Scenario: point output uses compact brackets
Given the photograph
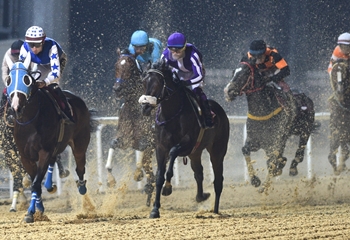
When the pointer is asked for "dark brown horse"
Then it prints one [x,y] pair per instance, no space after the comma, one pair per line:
[12,159]
[179,133]
[268,124]
[40,131]
[134,130]
[339,104]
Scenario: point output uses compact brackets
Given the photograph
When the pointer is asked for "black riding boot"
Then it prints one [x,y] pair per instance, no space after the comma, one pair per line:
[66,108]
[208,118]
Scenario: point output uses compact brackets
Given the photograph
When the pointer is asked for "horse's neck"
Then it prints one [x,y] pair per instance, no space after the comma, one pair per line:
[174,104]
[262,102]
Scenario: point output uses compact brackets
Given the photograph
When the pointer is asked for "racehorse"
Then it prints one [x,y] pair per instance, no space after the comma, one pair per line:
[11,156]
[179,132]
[134,130]
[268,124]
[339,104]
[40,131]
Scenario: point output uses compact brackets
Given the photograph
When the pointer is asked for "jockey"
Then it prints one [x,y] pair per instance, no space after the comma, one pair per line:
[145,49]
[273,67]
[13,54]
[186,61]
[341,51]
[51,61]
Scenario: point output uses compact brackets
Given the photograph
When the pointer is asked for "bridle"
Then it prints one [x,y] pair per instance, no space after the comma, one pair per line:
[250,82]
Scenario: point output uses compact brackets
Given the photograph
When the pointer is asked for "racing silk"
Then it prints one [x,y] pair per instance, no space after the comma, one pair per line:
[48,60]
[152,53]
[190,67]
[337,55]
[274,65]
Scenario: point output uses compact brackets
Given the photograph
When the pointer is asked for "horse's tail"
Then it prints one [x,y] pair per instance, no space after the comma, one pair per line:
[93,122]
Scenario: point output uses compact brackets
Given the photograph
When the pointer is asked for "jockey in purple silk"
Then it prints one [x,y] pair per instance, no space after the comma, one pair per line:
[186,60]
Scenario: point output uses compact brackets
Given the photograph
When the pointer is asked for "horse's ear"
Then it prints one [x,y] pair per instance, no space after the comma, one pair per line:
[118,51]
[148,66]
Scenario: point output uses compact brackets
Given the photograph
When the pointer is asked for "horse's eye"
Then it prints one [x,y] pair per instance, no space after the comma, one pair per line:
[27,80]
[8,81]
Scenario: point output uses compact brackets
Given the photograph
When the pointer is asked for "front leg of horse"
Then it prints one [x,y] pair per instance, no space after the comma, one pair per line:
[35,202]
[299,157]
[159,185]
[332,157]
[147,167]
[343,157]
[254,180]
[173,153]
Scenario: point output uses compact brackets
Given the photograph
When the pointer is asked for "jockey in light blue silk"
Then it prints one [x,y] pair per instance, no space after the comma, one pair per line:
[187,61]
[144,48]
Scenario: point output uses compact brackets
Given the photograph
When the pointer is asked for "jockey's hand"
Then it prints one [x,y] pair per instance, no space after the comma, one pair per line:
[40,83]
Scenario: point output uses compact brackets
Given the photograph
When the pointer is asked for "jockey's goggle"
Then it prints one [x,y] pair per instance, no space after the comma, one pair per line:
[256,56]
[140,48]
[177,49]
[37,45]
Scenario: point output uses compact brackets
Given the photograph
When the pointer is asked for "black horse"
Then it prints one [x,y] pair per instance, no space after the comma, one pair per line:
[179,132]
[40,131]
[134,130]
[339,104]
[268,124]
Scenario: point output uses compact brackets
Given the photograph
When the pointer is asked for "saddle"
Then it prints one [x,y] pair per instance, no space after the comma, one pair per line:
[58,103]
[197,109]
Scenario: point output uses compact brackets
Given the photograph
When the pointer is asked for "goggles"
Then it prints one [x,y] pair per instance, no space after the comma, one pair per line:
[140,48]
[37,45]
[177,49]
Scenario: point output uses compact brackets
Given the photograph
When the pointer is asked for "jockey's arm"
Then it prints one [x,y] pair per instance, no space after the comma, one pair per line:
[54,75]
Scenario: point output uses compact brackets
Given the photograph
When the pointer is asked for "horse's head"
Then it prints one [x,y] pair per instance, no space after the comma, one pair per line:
[242,80]
[340,81]
[19,83]
[128,76]
[159,83]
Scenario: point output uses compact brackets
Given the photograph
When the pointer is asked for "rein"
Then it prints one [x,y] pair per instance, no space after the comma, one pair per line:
[159,99]
[250,81]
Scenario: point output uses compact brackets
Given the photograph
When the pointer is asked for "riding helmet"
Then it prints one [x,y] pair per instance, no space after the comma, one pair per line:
[139,38]
[344,38]
[35,34]
[257,47]
[176,40]
[16,47]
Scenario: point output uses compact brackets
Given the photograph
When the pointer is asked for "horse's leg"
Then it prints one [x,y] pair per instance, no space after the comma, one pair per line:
[299,155]
[173,153]
[161,165]
[37,174]
[79,153]
[197,168]
[111,182]
[334,143]
[51,188]
[147,167]
[138,175]
[62,172]
[246,150]
[343,157]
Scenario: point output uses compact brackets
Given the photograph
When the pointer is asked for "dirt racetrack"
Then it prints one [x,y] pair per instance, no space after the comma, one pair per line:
[292,209]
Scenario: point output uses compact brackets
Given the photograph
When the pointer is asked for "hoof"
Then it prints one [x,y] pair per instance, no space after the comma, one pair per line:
[255,181]
[167,190]
[53,189]
[81,186]
[13,210]
[138,175]
[202,198]
[154,214]
[293,172]
[64,173]
[29,218]
[148,188]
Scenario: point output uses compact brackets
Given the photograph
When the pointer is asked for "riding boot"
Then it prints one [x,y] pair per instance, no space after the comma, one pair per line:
[66,108]
[208,118]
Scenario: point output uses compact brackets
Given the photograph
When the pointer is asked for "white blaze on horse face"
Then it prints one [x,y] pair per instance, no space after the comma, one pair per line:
[339,76]
[122,62]
[236,71]
[15,101]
